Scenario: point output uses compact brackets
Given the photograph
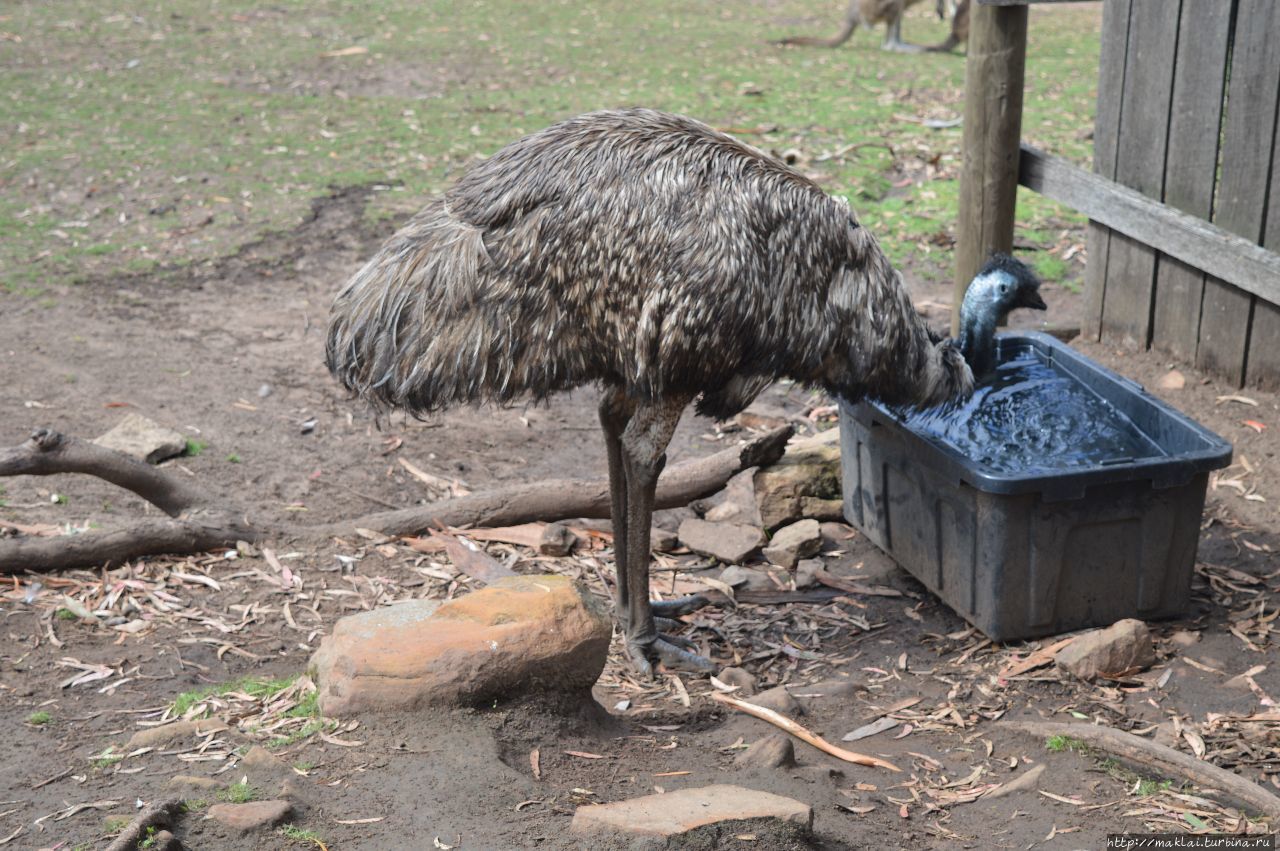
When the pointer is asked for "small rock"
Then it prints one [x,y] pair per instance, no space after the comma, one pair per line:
[1172,380]
[1025,782]
[818,508]
[737,502]
[251,816]
[773,751]
[521,634]
[807,571]
[1184,638]
[837,536]
[746,578]
[739,677]
[662,540]
[158,737]
[163,840]
[557,540]
[1123,647]
[810,468]
[139,437]
[659,821]
[731,543]
[779,700]
[792,543]
[185,783]
[830,689]
[264,391]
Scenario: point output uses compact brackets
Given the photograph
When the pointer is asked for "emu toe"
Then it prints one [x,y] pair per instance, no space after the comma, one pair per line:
[661,650]
[679,606]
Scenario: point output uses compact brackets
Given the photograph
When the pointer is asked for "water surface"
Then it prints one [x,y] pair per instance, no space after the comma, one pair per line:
[1029,418]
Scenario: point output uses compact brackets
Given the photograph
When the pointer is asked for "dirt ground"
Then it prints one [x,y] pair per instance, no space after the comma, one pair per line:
[230,354]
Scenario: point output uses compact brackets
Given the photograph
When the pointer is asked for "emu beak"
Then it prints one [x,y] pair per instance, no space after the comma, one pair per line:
[1032,300]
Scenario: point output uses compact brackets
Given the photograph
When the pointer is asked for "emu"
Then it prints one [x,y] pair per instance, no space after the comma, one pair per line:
[652,256]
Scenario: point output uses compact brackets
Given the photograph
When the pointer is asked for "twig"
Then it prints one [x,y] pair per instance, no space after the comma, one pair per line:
[157,814]
[1165,760]
[804,735]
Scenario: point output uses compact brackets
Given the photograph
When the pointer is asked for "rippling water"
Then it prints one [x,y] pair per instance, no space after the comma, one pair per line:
[1028,417]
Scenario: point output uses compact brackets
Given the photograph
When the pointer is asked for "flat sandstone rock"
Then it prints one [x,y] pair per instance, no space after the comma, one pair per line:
[662,819]
[143,439]
[521,634]
[730,543]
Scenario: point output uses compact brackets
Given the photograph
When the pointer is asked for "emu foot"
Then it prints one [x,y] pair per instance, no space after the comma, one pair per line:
[679,606]
[662,650]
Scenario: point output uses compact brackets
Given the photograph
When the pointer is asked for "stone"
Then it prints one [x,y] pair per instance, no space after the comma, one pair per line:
[731,543]
[245,818]
[190,786]
[1184,638]
[163,840]
[809,469]
[158,737]
[739,677]
[830,690]
[265,770]
[521,634]
[140,438]
[1172,380]
[837,536]
[773,751]
[746,578]
[557,540]
[662,540]
[779,700]
[807,571]
[794,542]
[736,503]
[1123,647]
[666,820]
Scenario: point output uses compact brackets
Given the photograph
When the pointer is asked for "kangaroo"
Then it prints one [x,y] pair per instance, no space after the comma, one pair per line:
[869,13]
[959,30]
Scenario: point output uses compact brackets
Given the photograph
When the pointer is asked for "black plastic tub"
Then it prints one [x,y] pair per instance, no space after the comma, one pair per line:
[1022,556]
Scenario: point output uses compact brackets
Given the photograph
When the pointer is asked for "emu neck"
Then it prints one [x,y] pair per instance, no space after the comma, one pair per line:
[978,337]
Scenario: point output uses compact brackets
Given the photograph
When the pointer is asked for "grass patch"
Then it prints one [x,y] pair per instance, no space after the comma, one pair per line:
[252,686]
[1137,784]
[149,841]
[1061,744]
[195,447]
[39,718]
[233,458]
[106,759]
[112,825]
[66,615]
[238,793]
[297,834]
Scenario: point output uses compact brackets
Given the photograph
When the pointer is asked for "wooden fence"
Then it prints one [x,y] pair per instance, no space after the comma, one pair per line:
[1186,166]
[1187,104]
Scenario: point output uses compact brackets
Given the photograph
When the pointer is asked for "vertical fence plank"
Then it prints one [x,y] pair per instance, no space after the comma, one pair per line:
[1242,190]
[1191,166]
[1140,160]
[1106,133]
[1262,366]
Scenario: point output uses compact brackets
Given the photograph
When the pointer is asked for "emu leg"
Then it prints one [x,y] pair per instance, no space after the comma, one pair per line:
[644,444]
[615,413]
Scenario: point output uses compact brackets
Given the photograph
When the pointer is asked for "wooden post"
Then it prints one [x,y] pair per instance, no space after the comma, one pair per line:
[993,83]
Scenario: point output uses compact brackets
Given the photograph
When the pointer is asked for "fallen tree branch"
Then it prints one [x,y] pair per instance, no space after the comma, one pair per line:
[48,453]
[801,733]
[197,534]
[200,526]
[1138,751]
[562,499]
[157,814]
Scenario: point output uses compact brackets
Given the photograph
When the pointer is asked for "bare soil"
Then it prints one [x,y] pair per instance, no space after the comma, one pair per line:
[230,353]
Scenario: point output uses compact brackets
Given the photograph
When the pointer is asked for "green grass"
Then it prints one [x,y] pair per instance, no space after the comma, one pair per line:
[238,793]
[296,834]
[233,458]
[149,841]
[39,718]
[106,759]
[1062,744]
[195,447]
[305,731]
[252,686]
[147,135]
[66,615]
[112,825]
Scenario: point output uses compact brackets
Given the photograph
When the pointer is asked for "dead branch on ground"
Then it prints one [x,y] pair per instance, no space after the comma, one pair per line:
[198,522]
[1163,760]
[157,814]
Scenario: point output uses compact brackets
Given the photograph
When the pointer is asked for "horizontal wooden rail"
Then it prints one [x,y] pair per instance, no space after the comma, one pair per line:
[1020,2]
[1194,241]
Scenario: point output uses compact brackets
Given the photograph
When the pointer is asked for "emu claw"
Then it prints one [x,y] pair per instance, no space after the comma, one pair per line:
[679,606]
[662,650]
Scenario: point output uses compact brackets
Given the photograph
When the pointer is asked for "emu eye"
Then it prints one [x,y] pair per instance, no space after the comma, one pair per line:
[1004,289]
